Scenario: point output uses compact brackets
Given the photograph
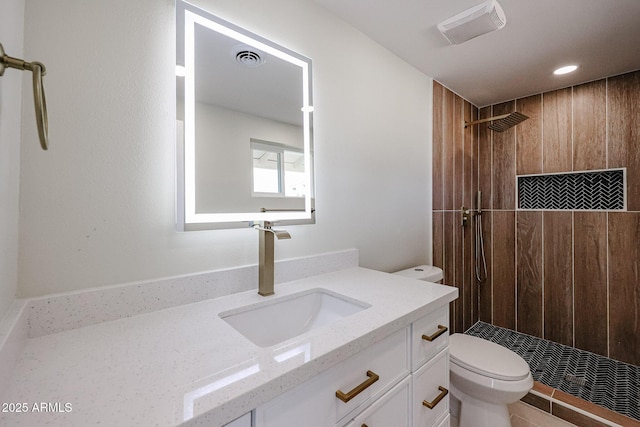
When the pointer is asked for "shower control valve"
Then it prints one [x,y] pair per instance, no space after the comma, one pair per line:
[465,214]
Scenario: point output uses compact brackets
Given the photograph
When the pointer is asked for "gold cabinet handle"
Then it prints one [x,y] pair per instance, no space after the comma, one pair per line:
[443,393]
[441,330]
[345,397]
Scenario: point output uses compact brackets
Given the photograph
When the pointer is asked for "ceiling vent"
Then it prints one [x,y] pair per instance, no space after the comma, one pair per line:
[248,56]
[474,22]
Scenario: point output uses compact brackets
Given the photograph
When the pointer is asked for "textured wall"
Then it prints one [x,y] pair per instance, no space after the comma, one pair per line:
[98,208]
[568,276]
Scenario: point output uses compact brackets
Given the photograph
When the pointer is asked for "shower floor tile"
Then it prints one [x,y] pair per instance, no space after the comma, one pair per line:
[606,382]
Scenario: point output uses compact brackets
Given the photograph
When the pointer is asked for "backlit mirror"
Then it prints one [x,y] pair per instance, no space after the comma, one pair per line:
[244,126]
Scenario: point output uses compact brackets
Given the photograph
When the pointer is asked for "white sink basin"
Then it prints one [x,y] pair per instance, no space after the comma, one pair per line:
[271,322]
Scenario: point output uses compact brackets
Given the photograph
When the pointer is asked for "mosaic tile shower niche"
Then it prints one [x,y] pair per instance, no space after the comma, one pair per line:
[590,190]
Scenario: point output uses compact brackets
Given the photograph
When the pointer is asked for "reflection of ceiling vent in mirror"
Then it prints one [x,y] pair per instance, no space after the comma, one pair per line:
[248,56]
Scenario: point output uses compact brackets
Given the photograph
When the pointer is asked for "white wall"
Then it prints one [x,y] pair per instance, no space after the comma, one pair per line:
[11,37]
[224,176]
[98,208]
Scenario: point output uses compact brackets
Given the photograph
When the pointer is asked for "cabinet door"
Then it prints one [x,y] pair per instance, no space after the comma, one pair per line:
[392,409]
[430,399]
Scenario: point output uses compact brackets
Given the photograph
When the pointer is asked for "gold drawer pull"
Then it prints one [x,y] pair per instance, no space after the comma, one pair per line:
[443,393]
[359,389]
[441,330]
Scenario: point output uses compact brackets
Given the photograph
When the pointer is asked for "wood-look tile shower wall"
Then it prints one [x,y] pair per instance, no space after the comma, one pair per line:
[568,276]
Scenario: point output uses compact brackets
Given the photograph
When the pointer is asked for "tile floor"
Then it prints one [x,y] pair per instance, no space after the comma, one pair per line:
[605,382]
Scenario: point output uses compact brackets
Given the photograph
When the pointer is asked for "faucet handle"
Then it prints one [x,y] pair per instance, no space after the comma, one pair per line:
[266,226]
[281,234]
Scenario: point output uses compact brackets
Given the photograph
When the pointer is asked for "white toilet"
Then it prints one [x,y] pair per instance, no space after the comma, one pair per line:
[485,377]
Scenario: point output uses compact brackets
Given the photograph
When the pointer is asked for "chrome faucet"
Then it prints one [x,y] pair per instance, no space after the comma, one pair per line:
[265,265]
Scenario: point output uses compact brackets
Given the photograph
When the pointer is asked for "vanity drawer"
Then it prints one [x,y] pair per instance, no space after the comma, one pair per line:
[314,403]
[429,336]
[430,399]
[392,409]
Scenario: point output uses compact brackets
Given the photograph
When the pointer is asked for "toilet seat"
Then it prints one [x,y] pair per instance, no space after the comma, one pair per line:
[486,358]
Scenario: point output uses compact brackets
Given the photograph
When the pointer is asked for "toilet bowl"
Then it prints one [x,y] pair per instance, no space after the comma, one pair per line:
[485,377]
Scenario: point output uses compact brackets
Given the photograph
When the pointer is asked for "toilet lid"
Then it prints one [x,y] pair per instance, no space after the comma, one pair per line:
[486,358]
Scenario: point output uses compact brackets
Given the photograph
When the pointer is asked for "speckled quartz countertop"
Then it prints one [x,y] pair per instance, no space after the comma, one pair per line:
[186,365]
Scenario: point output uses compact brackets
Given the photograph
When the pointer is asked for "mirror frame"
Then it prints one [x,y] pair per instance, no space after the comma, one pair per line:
[187,16]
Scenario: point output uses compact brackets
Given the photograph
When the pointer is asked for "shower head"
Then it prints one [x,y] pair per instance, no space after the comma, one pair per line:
[507,122]
[502,122]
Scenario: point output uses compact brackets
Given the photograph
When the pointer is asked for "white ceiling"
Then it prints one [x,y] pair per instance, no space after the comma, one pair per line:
[601,36]
[272,90]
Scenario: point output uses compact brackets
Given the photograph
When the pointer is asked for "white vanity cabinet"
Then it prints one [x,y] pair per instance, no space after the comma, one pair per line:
[383,385]
[360,380]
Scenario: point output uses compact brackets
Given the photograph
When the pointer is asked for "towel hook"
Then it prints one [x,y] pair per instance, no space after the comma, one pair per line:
[39,99]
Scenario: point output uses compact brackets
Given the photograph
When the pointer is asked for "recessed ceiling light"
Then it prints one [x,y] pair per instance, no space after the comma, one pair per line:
[565,70]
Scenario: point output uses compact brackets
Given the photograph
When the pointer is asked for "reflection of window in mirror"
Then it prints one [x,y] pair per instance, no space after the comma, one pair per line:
[278,170]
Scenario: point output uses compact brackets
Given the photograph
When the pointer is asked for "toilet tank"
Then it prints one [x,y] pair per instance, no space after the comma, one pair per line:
[428,273]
